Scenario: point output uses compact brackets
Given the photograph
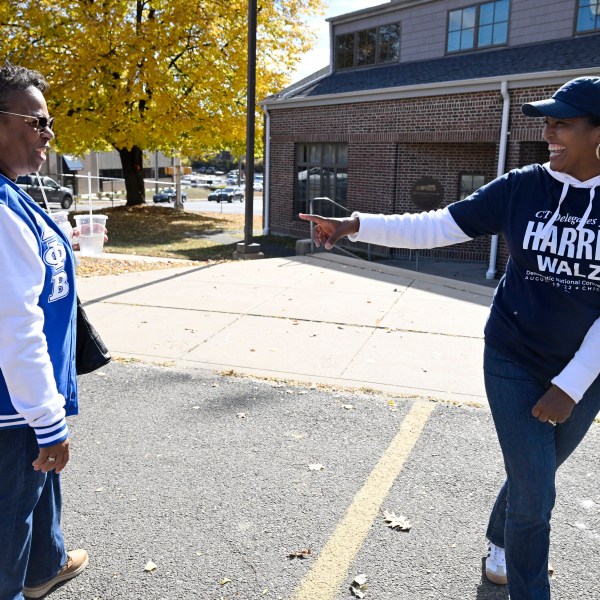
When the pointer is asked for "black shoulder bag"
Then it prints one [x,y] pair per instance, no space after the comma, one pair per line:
[91,352]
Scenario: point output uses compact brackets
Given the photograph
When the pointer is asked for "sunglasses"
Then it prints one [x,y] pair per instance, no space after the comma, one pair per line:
[39,123]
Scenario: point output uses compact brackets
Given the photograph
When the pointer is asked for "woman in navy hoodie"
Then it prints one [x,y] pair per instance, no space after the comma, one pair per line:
[541,358]
[38,384]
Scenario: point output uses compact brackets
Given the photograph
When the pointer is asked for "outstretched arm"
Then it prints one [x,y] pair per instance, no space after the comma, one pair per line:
[431,229]
[328,231]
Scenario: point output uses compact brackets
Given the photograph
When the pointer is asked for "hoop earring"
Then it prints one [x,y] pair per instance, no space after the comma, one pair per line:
[598,151]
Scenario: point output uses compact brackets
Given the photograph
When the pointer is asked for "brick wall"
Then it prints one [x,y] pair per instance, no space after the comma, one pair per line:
[393,143]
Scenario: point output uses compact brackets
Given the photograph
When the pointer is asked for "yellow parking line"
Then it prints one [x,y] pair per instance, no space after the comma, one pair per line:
[325,578]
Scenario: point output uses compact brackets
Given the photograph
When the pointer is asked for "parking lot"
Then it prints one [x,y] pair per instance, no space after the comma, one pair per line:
[189,484]
[197,200]
[259,410]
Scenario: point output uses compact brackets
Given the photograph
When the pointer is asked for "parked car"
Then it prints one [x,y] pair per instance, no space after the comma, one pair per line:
[54,193]
[168,195]
[228,194]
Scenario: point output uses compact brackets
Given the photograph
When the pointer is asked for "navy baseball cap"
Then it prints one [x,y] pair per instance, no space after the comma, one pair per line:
[576,98]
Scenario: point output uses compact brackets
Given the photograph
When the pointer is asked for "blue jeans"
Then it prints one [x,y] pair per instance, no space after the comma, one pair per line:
[31,548]
[532,451]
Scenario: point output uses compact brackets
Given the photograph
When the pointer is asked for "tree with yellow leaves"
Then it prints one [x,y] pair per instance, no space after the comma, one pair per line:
[167,75]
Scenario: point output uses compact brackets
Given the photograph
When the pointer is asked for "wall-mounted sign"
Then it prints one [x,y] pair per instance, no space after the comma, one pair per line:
[427,193]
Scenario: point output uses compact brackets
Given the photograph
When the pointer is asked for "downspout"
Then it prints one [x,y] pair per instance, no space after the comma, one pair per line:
[491,272]
[331,48]
[266,183]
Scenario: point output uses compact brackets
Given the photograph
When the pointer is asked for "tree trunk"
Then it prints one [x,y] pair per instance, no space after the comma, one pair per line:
[132,162]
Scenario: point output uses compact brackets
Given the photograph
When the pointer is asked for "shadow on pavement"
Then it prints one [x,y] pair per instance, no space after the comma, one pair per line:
[487,590]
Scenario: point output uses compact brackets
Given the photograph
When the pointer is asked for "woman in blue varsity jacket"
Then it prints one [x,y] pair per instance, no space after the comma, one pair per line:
[38,384]
[542,337]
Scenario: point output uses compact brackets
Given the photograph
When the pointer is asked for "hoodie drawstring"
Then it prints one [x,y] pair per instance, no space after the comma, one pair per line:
[548,226]
[588,210]
[567,181]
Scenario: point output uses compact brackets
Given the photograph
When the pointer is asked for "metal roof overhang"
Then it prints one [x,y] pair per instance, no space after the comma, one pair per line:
[72,163]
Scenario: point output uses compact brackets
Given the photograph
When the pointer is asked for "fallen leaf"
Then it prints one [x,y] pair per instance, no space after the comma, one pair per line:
[300,553]
[150,566]
[224,581]
[358,587]
[394,522]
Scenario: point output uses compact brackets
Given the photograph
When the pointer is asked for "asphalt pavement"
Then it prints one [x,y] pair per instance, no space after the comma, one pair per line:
[260,416]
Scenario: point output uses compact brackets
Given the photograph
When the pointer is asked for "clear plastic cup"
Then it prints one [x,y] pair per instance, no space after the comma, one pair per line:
[61,218]
[91,234]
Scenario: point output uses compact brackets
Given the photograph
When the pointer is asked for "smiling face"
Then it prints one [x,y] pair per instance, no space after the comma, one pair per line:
[572,144]
[23,148]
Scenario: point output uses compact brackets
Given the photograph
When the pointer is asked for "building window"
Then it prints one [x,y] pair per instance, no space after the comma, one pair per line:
[344,51]
[367,42]
[588,15]
[478,26]
[389,43]
[377,45]
[321,171]
[469,183]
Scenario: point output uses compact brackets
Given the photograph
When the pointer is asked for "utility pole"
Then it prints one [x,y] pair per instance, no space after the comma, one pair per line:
[248,249]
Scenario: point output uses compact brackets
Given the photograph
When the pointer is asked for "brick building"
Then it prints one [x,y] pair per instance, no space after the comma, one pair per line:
[420,106]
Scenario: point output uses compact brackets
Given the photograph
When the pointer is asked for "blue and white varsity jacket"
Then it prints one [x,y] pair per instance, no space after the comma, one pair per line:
[546,310]
[38,382]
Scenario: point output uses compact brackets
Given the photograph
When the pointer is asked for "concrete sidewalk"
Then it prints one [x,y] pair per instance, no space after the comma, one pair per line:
[319,318]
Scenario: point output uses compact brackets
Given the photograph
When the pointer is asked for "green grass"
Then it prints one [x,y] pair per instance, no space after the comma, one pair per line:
[152,230]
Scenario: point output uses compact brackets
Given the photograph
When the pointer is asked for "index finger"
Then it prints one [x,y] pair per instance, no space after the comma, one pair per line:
[313,218]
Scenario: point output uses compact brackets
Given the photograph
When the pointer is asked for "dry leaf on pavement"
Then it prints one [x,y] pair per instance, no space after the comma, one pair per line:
[301,553]
[358,587]
[401,523]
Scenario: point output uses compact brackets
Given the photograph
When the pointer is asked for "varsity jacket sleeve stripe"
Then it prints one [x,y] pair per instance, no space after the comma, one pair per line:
[430,229]
[583,369]
[24,357]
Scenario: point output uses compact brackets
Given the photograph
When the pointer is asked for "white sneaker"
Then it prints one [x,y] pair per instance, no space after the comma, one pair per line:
[495,564]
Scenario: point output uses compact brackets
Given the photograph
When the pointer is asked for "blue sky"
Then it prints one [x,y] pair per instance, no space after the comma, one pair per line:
[319,56]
